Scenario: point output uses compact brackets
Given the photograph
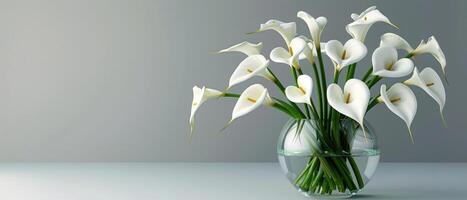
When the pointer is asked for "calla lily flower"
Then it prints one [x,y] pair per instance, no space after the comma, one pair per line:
[255,65]
[362,23]
[429,81]
[386,64]
[431,47]
[401,101]
[349,53]
[315,26]
[308,53]
[286,30]
[250,99]
[352,102]
[302,93]
[201,95]
[396,41]
[245,47]
[297,46]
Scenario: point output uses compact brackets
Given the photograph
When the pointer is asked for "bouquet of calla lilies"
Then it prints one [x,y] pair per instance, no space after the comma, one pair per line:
[323,99]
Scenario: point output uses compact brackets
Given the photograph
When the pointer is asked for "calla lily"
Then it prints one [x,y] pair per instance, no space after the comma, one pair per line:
[245,47]
[386,64]
[255,65]
[349,53]
[286,30]
[429,81]
[352,102]
[401,101]
[396,41]
[200,95]
[302,93]
[308,53]
[297,46]
[250,99]
[362,23]
[315,26]
[431,47]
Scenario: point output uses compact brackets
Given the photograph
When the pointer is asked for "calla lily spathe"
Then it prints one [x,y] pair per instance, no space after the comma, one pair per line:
[401,101]
[201,95]
[362,22]
[343,55]
[352,101]
[302,93]
[429,81]
[386,64]
[287,30]
[430,47]
[245,47]
[298,45]
[315,26]
[255,65]
[396,41]
[250,99]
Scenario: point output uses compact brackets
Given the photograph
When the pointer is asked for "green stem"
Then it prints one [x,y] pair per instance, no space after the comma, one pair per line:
[285,110]
[332,173]
[342,168]
[323,86]
[298,114]
[373,81]
[356,171]
[367,74]
[231,95]
[278,83]
[351,71]
[318,86]
[334,118]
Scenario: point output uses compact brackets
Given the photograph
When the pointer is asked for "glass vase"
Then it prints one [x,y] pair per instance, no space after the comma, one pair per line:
[335,163]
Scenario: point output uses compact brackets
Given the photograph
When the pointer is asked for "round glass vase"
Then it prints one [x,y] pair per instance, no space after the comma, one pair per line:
[336,163]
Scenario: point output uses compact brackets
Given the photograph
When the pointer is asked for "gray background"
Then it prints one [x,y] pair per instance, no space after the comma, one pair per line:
[102,80]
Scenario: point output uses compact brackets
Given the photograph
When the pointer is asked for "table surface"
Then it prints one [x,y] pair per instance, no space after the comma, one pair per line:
[144,181]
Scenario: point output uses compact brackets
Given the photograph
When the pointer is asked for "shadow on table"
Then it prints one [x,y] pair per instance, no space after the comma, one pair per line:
[415,194]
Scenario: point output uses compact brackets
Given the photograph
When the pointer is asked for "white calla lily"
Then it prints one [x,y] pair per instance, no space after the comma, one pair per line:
[245,47]
[429,81]
[386,64]
[401,101]
[362,23]
[201,95]
[315,26]
[250,99]
[286,30]
[302,93]
[343,55]
[352,101]
[255,65]
[396,41]
[297,46]
[308,53]
[430,47]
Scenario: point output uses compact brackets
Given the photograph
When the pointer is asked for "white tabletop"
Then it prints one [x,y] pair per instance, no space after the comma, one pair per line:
[144,181]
